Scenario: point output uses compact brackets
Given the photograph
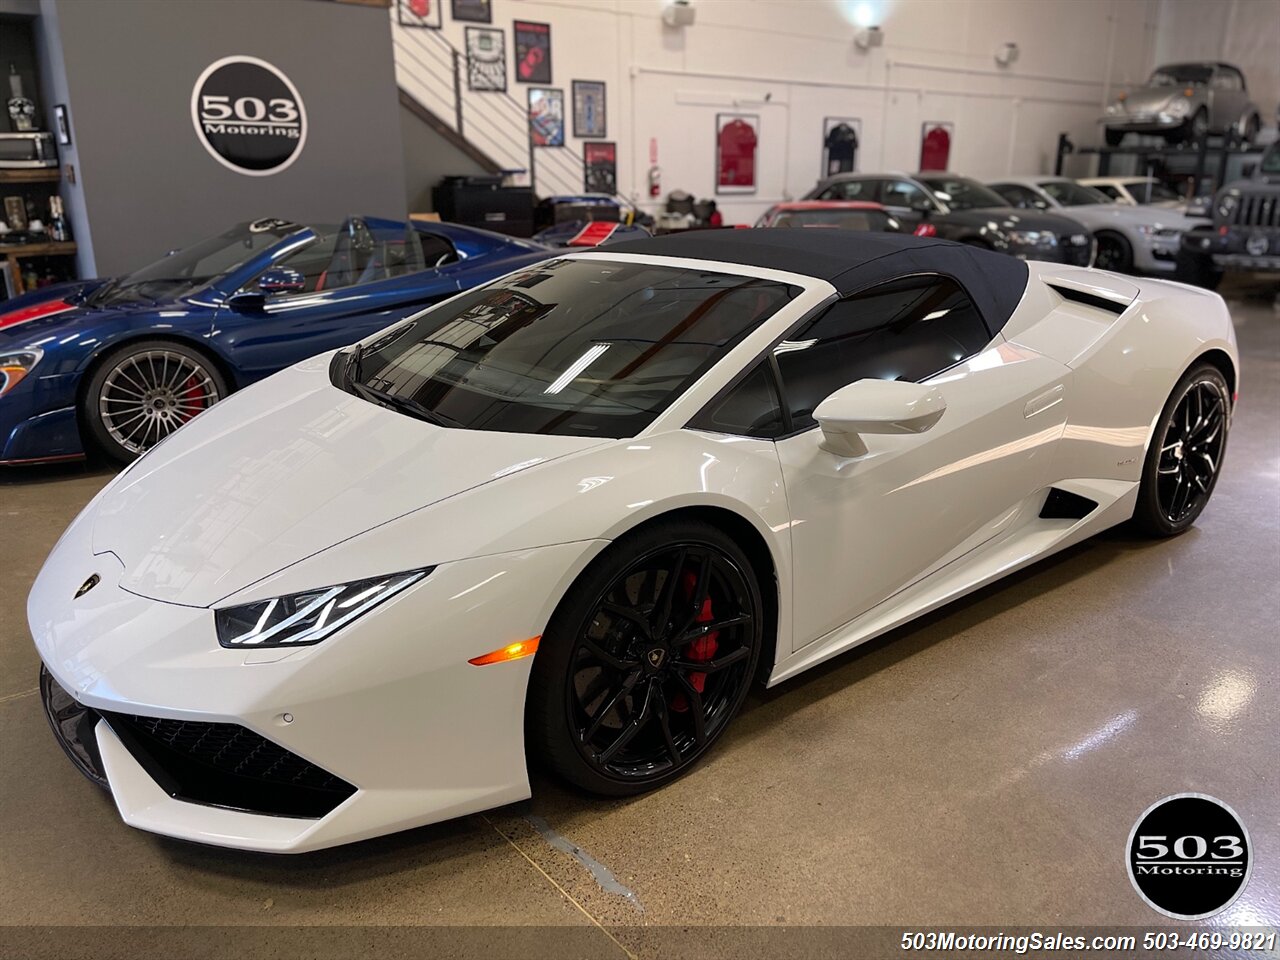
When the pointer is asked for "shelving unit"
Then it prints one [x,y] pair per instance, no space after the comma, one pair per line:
[33,175]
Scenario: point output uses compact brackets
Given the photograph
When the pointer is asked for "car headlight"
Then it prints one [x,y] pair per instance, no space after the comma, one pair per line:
[14,367]
[1179,107]
[1032,238]
[1228,203]
[1156,232]
[301,619]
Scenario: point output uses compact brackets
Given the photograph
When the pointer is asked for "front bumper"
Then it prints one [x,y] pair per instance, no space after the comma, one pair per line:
[389,706]
[1239,248]
[1143,122]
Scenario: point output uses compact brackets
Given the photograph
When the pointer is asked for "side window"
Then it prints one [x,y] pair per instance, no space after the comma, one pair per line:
[907,329]
[1021,197]
[750,409]
[312,261]
[1226,80]
[900,193]
[1107,190]
[849,190]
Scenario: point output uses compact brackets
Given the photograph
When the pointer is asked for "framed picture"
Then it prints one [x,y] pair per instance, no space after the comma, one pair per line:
[935,144]
[473,11]
[840,141]
[589,117]
[486,60]
[419,13]
[532,42]
[546,117]
[63,124]
[736,137]
[600,167]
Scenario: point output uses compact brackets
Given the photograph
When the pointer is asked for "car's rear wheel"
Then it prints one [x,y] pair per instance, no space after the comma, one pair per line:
[647,660]
[1185,457]
[144,391]
[1114,253]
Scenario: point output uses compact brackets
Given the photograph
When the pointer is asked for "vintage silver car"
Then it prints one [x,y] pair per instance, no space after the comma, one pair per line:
[1185,102]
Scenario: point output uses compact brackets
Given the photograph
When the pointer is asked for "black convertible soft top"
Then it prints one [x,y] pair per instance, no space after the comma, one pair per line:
[852,260]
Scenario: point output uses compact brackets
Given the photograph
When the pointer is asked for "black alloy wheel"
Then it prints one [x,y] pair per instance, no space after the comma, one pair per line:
[1114,253]
[1185,458]
[650,657]
[143,392]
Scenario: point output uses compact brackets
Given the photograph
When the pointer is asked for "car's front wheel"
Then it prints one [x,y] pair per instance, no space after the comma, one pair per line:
[144,391]
[1185,456]
[647,659]
[1114,253]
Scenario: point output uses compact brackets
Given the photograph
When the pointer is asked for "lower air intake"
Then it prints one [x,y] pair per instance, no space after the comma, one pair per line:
[226,765]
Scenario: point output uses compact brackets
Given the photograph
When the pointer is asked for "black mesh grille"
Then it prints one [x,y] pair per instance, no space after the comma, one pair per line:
[228,765]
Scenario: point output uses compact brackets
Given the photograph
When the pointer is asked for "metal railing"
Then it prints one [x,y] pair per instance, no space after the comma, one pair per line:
[432,71]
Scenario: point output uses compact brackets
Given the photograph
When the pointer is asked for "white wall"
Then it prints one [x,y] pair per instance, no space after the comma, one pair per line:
[792,63]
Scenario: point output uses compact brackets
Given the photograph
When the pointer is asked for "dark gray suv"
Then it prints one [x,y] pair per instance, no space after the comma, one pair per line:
[961,209]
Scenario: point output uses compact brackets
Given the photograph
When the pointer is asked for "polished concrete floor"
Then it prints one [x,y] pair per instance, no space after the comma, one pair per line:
[982,767]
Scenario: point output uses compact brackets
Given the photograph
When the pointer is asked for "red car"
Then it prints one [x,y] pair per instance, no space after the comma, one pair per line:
[841,214]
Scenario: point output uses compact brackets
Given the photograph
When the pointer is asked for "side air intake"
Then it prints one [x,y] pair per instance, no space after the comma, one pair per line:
[1089,299]
[1061,505]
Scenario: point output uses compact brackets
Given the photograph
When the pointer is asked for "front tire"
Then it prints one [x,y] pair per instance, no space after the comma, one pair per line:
[1185,458]
[647,659]
[1114,253]
[144,391]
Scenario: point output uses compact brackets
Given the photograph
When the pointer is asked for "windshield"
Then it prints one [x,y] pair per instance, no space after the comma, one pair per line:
[1073,194]
[1152,191]
[1179,75]
[570,347]
[842,219]
[187,270]
[960,193]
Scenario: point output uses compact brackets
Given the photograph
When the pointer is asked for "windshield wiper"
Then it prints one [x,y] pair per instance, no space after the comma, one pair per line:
[404,405]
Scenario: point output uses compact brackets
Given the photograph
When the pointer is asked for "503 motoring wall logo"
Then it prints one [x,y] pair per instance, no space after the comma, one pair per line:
[1189,856]
[249,116]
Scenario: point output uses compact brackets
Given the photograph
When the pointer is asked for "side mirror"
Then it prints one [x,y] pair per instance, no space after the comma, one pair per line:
[876,406]
[282,280]
[247,301]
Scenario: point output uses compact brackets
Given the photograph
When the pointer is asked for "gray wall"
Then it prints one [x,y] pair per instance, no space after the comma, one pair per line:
[428,157]
[144,181]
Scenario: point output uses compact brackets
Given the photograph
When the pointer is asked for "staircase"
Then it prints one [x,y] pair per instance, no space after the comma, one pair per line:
[489,126]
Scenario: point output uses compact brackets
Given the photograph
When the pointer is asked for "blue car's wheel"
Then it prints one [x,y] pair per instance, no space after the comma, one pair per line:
[143,392]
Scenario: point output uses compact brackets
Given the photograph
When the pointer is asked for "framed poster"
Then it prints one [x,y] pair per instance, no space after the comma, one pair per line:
[473,11]
[589,118]
[486,60]
[736,137]
[935,144]
[546,117]
[419,13]
[532,51]
[840,140]
[600,167]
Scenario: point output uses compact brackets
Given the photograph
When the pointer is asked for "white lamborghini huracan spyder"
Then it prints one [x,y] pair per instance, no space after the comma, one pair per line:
[572,515]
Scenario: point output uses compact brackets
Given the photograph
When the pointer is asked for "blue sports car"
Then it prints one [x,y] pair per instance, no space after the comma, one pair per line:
[117,365]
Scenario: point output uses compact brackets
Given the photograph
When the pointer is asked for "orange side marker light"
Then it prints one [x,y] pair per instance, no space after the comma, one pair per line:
[512,651]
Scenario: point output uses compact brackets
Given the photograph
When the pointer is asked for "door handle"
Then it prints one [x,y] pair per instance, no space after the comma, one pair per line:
[1039,404]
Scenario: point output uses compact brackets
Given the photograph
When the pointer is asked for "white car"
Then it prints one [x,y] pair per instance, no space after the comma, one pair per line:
[575,513]
[1129,238]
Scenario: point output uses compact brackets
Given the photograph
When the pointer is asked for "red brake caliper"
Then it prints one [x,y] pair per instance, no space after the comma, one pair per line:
[700,649]
[190,397]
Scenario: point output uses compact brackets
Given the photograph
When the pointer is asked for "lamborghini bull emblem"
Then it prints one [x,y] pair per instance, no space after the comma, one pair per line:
[656,656]
[87,586]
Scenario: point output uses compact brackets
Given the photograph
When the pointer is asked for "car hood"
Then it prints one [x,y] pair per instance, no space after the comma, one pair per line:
[1012,218]
[53,313]
[281,471]
[1097,216]
[1149,99]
